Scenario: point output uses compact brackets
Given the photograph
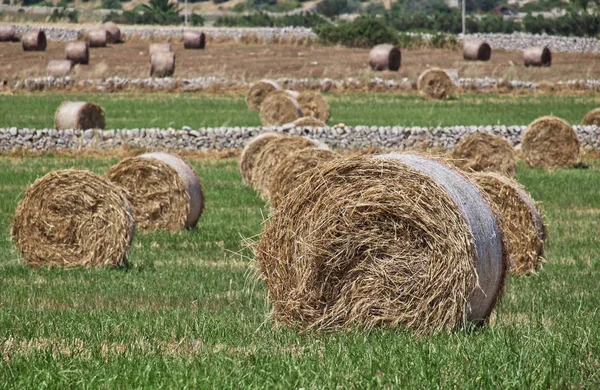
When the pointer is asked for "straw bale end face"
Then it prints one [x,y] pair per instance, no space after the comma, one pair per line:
[550,142]
[250,152]
[312,104]
[79,116]
[483,152]
[592,118]
[435,84]
[258,93]
[73,218]
[34,41]
[537,56]
[385,57]
[78,52]
[279,109]
[477,51]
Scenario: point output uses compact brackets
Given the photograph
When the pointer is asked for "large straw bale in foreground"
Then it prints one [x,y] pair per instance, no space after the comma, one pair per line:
[113,31]
[483,152]
[73,218]
[477,51]
[7,33]
[164,191]
[59,68]
[194,40]
[537,56]
[313,104]
[34,41]
[251,151]
[435,84]
[79,115]
[258,93]
[78,52]
[162,64]
[550,142]
[385,57]
[393,240]
[592,118]
[521,221]
[279,109]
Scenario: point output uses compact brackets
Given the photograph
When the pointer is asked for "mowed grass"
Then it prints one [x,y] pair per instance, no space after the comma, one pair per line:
[190,312]
[209,110]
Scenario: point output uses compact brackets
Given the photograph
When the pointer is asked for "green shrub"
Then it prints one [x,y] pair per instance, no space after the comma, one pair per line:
[111,4]
[364,31]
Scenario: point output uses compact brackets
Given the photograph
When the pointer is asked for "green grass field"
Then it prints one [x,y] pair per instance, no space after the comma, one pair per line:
[190,313]
[204,110]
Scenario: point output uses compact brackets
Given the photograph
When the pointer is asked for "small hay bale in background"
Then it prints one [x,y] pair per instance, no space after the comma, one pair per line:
[97,37]
[521,222]
[162,65]
[278,109]
[392,240]
[550,142]
[592,118]
[435,84]
[258,93]
[113,32]
[270,156]
[385,57]
[477,51]
[313,104]
[79,116]
[34,41]
[163,189]
[483,152]
[73,218]
[194,40]
[59,68]
[308,121]
[78,52]
[537,56]
[249,153]
[293,169]
[155,48]
[7,33]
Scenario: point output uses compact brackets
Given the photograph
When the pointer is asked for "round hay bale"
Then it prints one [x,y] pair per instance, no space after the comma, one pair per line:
[97,38]
[537,56]
[270,156]
[194,40]
[162,65]
[249,153]
[392,240]
[521,222]
[79,116]
[155,48]
[477,51]
[592,118]
[279,109]
[313,104]
[308,121]
[73,218]
[7,33]
[59,68]
[113,32]
[550,142]
[259,91]
[435,84]
[483,152]
[293,169]
[34,41]
[163,189]
[385,57]
[78,52]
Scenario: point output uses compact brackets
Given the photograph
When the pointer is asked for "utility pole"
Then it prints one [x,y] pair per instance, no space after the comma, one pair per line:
[464,11]
[186,12]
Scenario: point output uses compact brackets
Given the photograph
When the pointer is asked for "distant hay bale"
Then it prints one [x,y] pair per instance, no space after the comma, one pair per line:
[259,91]
[393,240]
[308,121]
[163,189]
[73,218]
[97,37]
[435,84]
[279,109]
[293,169]
[385,57]
[483,152]
[155,48]
[249,153]
[113,31]
[34,41]
[521,222]
[313,104]
[7,33]
[162,65]
[59,68]
[78,52]
[550,142]
[194,40]
[477,51]
[270,156]
[592,118]
[537,56]
[79,115]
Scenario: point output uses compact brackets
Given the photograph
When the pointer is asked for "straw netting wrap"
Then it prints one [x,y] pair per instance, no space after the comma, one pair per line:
[550,142]
[250,152]
[7,33]
[163,189]
[314,105]
[592,118]
[385,57]
[258,93]
[537,56]
[59,68]
[73,218]
[34,41]
[113,31]
[98,37]
[270,156]
[162,64]
[435,84]
[393,240]
[483,152]
[293,169]
[477,51]
[78,52]
[521,221]
[79,115]
[278,109]
[194,40]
